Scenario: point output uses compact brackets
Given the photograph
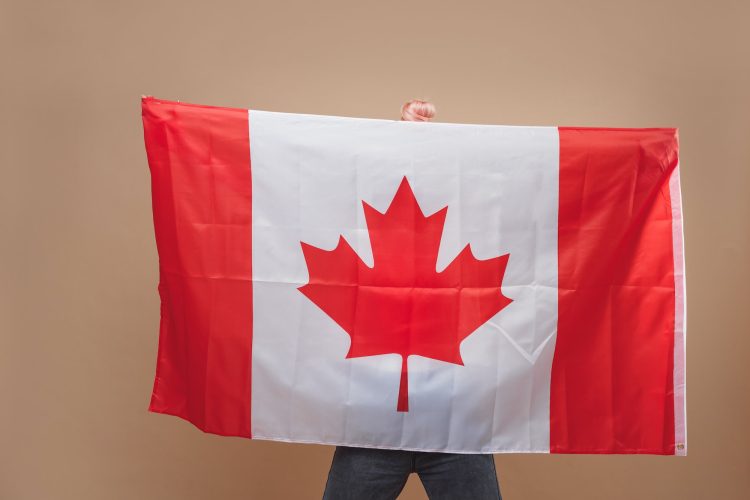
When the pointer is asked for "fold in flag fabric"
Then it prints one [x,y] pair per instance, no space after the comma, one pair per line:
[418,285]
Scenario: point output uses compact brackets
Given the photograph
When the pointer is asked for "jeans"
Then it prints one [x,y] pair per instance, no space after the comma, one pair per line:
[375,474]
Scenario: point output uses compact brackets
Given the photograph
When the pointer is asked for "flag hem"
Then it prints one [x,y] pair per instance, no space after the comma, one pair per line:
[680,407]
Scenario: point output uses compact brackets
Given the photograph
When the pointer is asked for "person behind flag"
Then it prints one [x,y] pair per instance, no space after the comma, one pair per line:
[375,474]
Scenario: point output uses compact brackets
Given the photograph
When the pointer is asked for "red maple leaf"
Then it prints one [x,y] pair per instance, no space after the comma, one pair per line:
[402,304]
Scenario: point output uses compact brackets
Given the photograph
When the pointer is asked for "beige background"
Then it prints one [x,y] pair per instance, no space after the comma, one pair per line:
[79,317]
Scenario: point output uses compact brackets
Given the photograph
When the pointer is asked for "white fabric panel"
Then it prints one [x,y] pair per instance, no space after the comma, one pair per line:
[310,174]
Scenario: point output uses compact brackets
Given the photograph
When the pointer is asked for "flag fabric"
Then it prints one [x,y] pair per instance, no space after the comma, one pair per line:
[418,285]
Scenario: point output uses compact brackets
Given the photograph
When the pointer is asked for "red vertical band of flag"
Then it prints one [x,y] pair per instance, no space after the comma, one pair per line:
[199,158]
[612,373]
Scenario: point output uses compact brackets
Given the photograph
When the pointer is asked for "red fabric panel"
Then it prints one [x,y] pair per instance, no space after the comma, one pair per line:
[199,157]
[612,373]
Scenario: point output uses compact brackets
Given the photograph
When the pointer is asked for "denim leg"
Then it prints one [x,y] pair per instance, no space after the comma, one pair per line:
[367,474]
[457,476]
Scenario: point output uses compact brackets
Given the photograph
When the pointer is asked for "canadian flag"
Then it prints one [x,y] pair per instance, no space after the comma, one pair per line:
[423,286]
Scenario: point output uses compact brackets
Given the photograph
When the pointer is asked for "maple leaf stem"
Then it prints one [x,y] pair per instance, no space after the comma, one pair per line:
[403,388]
